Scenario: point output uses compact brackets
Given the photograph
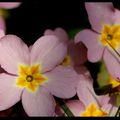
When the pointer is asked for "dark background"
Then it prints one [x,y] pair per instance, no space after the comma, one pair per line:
[30,20]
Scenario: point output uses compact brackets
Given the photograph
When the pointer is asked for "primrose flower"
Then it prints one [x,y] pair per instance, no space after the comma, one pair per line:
[76,54]
[34,75]
[103,41]
[89,104]
[103,105]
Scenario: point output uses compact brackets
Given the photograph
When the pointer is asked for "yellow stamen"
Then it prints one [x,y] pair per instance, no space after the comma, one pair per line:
[110,36]
[93,111]
[30,77]
[114,82]
[67,61]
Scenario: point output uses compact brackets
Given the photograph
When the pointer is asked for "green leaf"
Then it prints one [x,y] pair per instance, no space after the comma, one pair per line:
[103,75]
[118,100]
[73,32]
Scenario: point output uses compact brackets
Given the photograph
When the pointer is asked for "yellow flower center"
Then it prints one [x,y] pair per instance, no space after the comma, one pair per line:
[113,82]
[67,61]
[30,77]
[93,111]
[110,36]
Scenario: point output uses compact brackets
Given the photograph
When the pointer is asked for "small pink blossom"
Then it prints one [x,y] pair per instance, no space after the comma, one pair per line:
[103,18]
[47,51]
[77,53]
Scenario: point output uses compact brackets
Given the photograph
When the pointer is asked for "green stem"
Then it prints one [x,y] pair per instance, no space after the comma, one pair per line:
[117,111]
[113,48]
[64,107]
[67,110]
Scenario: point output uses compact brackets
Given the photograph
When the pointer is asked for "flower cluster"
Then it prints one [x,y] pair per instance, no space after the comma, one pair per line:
[54,70]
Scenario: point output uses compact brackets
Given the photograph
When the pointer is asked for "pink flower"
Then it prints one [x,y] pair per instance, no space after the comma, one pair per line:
[104,104]
[89,104]
[76,54]
[34,75]
[103,40]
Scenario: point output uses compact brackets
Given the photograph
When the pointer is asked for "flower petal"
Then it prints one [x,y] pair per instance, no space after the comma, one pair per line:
[81,69]
[9,5]
[40,103]
[112,64]
[78,53]
[76,107]
[116,16]
[99,14]
[9,93]
[91,41]
[45,52]
[103,100]
[2,24]
[2,33]
[62,82]
[14,52]
[59,32]
[86,92]
[110,107]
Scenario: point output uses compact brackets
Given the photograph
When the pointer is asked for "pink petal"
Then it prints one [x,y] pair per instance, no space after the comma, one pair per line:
[30,48]
[81,69]
[14,52]
[91,41]
[85,91]
[110,107]
[103,100]
[62,82]
[116,16]
[9,93]
[76,107]
[49,32]
[2,33]
[99,14]
[59,32]
[9,5]
[2,24]
[40,103]
[78,53]
[112,64]
[48,51]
